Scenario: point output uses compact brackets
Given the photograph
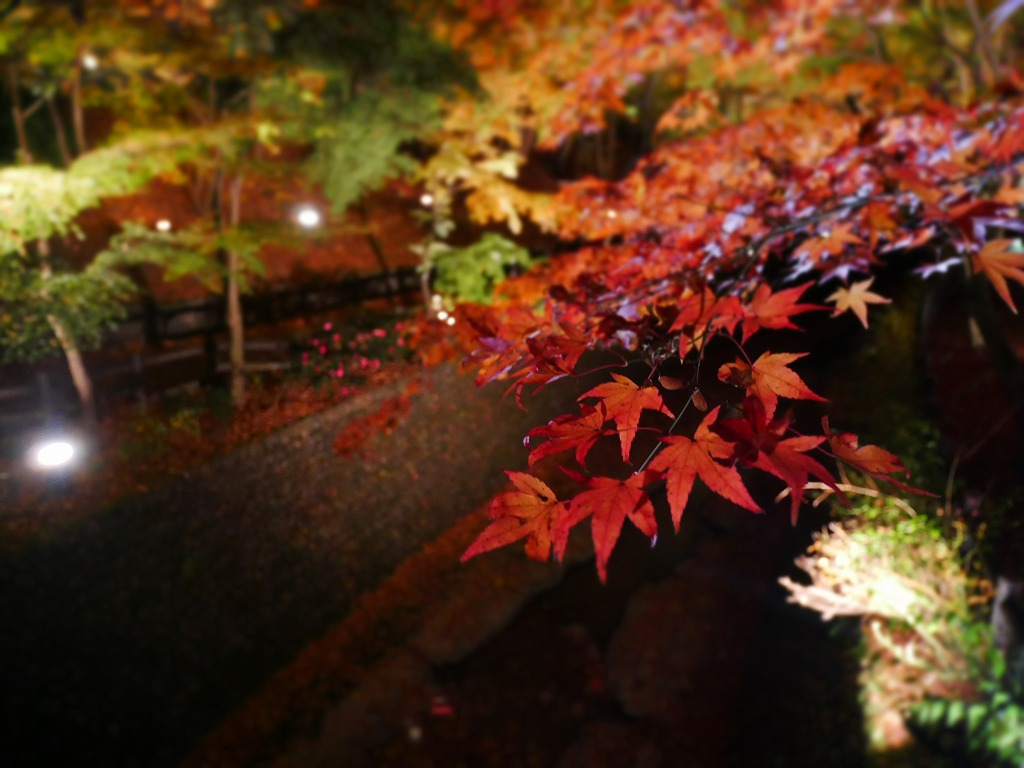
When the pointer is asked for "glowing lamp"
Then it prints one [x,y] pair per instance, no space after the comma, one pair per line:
[307,216]
[52,454]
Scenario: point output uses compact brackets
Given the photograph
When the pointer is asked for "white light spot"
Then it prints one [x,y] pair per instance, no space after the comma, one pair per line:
[54,454]
[450,320]
[89,61]
[435,301]
[427,199]
[732,222]
[164,225]
[442,315]
[307,216]
[612,214]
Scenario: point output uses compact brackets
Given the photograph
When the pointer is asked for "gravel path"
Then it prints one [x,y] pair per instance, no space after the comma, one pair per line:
[130,635]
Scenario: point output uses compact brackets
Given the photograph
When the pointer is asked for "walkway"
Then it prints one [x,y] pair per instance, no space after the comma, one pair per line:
[129,637]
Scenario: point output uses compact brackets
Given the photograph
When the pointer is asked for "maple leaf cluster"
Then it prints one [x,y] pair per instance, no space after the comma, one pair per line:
[750,433]
[716,236]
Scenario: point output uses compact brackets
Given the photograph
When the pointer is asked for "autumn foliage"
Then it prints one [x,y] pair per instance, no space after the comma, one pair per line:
[802,148]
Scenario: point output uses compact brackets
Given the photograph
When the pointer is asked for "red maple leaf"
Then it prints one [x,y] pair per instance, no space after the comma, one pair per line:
[608,503]
[530,512]
[774,310]
[684,459]
[752,433]
[760,443]
[623,401]
[768,379]
[569,431]
[557,353]
[701,315]
[788,462]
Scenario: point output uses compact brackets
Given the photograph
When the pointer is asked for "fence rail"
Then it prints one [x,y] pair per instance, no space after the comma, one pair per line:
[155,324]
[46,395]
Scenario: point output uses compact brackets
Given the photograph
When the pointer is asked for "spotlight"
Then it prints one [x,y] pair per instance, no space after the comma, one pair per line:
[52,454]
[307,216]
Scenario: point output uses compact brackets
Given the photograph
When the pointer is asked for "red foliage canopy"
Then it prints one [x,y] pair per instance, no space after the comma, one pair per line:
[719,233]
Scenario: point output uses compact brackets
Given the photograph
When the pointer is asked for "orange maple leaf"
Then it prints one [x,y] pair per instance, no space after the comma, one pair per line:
[624,401]
[684,459]
[856,299]
[999,260]
[768,379]
[869,459]
[773,310]
[530,512]
[830,242]
[608,503]
[1012,139]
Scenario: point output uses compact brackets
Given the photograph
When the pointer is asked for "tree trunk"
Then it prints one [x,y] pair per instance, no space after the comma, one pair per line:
[77,117]
[58,127]
[235,318]
[371,236]
[72,354]
[18,115]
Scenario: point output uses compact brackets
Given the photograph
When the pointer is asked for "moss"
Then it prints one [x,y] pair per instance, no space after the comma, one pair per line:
[879,392]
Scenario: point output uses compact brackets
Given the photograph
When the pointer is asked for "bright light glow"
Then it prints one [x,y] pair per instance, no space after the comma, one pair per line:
[427,199]
[55,453]
[442,315]
[435,301]
[612,214]
[307,216]
[450,320]
[164,225]
[89,61]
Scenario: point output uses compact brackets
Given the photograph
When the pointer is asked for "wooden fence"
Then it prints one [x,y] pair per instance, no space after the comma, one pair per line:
[155,325]
[45,395]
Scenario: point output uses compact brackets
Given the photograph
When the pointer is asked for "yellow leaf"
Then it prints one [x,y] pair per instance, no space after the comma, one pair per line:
[856,299]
